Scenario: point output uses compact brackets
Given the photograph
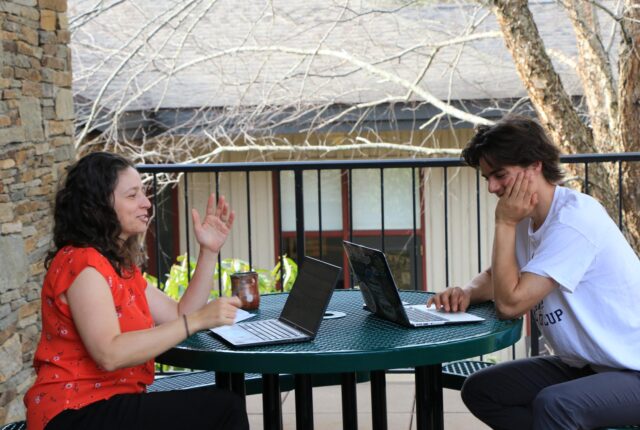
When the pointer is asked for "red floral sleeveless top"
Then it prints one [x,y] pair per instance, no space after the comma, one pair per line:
[67,376]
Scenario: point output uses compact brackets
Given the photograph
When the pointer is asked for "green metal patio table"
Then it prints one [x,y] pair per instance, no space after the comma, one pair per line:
[357,342]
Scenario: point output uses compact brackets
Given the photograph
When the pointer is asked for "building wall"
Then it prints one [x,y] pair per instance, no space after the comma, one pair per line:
[36,129]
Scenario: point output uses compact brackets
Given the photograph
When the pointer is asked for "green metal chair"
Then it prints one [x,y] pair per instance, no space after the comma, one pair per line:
[187,380]
[253,381]
[455,373]
[20,425]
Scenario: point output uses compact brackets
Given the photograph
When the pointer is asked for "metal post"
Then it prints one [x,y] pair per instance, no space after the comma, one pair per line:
[349,402]
[237,386]
[249,217]
[304,402]
[271,404]
[429,403]
[378,400]
[297,175]
[186,224]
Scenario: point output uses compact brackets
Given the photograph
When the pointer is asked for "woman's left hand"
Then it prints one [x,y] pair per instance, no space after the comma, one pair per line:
[212,232]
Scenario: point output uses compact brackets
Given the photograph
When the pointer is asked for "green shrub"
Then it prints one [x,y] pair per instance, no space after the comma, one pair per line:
[178,278]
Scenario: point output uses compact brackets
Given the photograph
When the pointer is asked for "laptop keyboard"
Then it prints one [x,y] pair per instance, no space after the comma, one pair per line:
[271,330]
[420,316]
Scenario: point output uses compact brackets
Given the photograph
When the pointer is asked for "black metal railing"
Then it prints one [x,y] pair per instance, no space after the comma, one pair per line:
[347,168]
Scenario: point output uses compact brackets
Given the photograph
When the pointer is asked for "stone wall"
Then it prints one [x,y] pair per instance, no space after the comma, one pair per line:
[36,142]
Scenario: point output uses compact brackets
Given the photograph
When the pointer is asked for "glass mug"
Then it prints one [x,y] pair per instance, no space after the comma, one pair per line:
[245,286]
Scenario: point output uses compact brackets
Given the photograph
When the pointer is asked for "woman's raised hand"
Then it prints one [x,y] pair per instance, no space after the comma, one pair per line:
[212,232]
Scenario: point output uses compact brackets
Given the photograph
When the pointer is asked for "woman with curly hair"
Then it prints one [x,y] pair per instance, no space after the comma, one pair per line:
[102,324]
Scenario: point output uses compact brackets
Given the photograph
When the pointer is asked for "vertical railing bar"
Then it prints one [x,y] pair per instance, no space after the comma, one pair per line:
[350,198]
[248,182]
[446,228]
[157,241]
[186,221]
[620,186]
[220,286]
[535,334]
[281,244]
[156,214]
[349,186]
[478,220]
[320,212]
[299,195]
[415,229]
[382,207]
[586,178]
[478,237]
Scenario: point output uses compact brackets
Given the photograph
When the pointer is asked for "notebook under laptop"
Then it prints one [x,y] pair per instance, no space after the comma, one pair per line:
[302,313]
[381,296]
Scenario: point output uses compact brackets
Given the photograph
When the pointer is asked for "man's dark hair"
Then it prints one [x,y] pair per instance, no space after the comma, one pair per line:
[514,141]
[84,215]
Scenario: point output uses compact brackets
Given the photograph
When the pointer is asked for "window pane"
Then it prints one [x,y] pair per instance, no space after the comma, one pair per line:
[331,200]
[398,200]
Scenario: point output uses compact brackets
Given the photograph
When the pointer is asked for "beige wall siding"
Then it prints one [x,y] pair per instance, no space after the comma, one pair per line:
[462,228]
[233,187]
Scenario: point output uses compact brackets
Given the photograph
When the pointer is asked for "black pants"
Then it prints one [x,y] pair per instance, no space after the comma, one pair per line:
[543,393]
[200,408]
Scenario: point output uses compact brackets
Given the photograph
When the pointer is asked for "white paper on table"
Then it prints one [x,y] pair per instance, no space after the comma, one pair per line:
[242,315]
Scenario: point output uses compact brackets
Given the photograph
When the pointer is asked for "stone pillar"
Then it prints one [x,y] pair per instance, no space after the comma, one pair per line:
[36,142]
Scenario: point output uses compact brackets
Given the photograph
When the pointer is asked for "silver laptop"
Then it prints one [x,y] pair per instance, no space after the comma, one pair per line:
[381,296]
[302,313]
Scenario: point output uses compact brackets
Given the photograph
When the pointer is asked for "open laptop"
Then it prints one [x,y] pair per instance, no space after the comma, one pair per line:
[301,316]
[381,296]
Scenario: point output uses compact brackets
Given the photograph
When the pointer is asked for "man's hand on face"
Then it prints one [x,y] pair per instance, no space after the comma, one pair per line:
[518,200]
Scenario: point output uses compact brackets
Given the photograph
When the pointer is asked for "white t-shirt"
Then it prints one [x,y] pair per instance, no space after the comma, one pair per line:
[593,317]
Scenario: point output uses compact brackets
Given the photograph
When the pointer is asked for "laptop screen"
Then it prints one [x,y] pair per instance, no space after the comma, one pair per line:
[376,282]
[310,294]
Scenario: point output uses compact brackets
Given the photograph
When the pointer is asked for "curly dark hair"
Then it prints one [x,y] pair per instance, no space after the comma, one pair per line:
[514,141]
[84,215]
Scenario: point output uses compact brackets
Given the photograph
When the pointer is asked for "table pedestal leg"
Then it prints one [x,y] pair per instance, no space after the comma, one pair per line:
[271,403]
[349,402]
[237,386]
[304,402]
[429,404]
[223,380]
[378,400]
[232,382]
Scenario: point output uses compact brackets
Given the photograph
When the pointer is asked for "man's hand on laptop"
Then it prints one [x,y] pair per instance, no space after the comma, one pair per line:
[453,299]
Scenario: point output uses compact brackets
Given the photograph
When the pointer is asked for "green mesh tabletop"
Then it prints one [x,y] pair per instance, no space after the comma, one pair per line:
[359,341]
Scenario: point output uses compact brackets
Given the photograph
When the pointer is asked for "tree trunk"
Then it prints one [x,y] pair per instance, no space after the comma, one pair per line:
[596,75]
[553,105]
[629,99]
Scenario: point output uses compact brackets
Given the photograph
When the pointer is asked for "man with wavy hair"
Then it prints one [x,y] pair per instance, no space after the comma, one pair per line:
[557,252]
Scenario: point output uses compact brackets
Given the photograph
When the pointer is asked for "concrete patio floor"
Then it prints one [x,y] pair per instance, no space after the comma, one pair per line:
[400,408]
